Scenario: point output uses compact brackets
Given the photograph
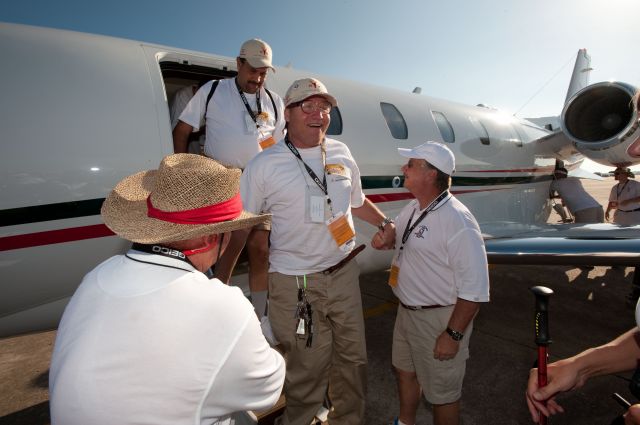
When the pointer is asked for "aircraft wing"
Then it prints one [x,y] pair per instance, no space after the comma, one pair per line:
[568,244]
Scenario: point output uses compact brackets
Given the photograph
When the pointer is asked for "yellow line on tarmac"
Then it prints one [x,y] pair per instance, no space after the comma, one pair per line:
[380,309]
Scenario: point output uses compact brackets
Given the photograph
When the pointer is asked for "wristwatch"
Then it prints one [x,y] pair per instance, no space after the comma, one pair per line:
[384,222]
[455,335]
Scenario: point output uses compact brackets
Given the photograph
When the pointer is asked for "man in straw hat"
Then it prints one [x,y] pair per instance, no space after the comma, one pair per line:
[311,185]
[242,118]
[147,338]
[440,276]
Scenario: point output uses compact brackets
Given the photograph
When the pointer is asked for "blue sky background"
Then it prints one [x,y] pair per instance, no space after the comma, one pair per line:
[496,52]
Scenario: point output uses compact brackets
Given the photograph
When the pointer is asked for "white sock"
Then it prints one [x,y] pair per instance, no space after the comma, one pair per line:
[259,301]
[401,423]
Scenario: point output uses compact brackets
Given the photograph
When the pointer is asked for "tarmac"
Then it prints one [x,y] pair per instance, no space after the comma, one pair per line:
[588,307]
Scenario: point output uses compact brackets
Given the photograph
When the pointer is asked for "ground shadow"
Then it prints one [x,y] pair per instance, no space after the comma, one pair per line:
[34,415]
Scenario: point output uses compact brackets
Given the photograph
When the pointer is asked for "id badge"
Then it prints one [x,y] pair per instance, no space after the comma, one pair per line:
[315,206]
[341,229]
[267,143]
[393,274]
[249,123]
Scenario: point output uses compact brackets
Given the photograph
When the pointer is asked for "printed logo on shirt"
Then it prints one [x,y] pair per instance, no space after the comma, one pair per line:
[421,229]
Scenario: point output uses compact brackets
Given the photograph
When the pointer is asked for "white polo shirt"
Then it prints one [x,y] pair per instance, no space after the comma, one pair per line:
[443,258]
[228,137]
[625,214]
[276,182]
[149,339]
[573,194]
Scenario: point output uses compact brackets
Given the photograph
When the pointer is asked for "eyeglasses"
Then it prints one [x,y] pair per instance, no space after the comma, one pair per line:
[310,106]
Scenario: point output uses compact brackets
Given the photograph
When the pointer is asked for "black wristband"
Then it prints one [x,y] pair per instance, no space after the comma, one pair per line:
[455,335]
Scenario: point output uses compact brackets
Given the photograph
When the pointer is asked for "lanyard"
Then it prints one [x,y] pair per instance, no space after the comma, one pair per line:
[162,251]
[246,103]
[408,229]
[321,184]
[619,189]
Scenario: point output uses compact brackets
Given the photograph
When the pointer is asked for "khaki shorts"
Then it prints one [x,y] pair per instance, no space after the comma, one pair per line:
[414,337]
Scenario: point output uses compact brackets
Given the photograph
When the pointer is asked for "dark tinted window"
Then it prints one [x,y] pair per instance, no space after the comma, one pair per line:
[446,131]
[395,121]
[335,127]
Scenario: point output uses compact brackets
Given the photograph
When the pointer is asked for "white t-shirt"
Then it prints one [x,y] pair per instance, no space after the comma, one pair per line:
[573,194]
[276,182]
[625,214]
[444,257]
[232,137]
[154,341]
[179,102]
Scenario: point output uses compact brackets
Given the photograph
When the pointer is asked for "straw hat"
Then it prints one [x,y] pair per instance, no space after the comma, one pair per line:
[187,197]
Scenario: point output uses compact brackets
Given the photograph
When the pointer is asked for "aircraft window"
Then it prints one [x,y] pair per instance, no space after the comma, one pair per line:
[480,128]
[395,121]
[335,127]
[446,130]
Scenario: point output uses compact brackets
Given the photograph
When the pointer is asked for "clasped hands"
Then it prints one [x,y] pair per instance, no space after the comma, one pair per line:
[385,238]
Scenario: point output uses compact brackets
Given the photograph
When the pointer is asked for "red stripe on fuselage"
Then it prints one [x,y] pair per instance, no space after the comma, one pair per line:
[72,234]
[392,197]
[54,236]
[545,170]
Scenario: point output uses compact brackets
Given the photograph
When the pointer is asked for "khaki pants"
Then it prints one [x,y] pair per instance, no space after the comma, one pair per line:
[337,357]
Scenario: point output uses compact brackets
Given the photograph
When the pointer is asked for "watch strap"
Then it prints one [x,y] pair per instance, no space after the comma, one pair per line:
[455,335]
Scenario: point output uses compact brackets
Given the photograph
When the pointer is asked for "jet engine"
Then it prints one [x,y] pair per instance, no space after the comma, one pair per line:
[602,122]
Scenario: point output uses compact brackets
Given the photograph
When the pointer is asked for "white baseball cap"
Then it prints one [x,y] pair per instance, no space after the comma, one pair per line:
[434,153]
[307,87]
[257,53]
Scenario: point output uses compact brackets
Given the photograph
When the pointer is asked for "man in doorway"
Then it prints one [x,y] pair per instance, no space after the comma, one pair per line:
[242,118]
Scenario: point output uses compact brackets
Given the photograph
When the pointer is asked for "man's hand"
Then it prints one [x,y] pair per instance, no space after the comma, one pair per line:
[386,238]
[446,347]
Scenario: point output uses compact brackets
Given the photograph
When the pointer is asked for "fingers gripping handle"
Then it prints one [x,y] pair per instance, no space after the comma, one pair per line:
[543,340]
[542,294]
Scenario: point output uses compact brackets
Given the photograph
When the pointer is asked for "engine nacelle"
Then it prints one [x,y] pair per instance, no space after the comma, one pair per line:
[602,122]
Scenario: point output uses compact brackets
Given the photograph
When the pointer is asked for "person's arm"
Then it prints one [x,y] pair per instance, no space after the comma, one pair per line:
[181,137]
[610,206]
[619,355]
[446,346]
[368,212]
[251,377]
[629,201]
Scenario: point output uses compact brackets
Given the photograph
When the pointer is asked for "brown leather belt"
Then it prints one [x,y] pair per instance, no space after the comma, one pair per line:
[421,307]
[344,261]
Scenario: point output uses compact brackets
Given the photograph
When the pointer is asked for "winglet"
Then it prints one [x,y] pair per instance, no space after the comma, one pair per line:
[580,76]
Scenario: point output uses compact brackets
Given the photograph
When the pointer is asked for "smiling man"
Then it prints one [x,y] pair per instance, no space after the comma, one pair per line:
[311,186]
[242,118]
[440,276]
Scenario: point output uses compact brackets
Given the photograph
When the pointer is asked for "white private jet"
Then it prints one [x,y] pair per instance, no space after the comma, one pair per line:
[78,112]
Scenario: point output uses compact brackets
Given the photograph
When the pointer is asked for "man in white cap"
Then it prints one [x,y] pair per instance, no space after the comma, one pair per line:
[242,118]
[147,338]
[311,186]
[440,276]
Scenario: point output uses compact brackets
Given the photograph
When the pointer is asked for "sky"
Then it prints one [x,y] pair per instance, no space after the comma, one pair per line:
[514,55]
